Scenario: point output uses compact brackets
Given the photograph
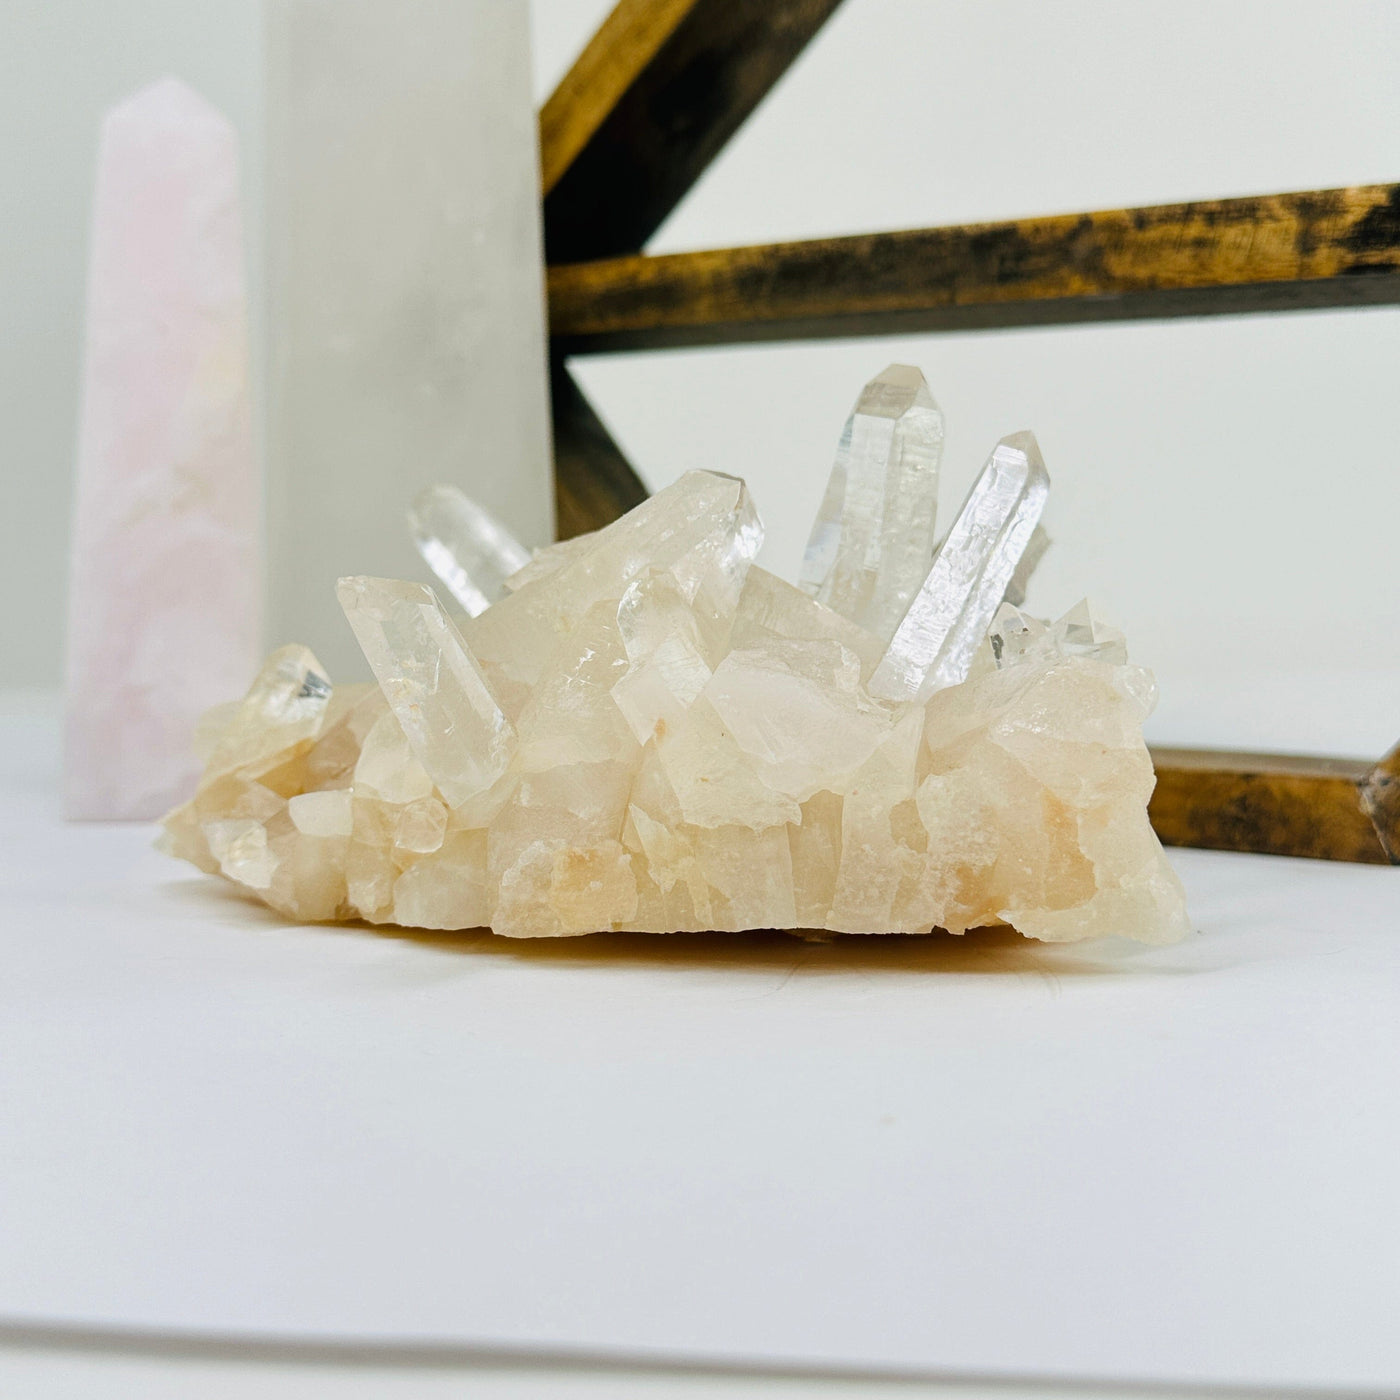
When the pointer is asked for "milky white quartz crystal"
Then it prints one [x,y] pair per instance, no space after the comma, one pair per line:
[649,732]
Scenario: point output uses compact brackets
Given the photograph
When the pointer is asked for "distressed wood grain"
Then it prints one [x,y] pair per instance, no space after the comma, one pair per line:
[1325,808]
[649,105]
[594,483]
[1319,248]
[615,58]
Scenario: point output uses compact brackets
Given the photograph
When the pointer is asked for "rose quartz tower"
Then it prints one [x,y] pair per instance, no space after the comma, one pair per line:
[165,594]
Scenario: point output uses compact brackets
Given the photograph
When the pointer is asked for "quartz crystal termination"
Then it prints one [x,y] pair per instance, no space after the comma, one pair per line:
[873,538]
[650,733]
[432,682]
[465,546]
[934,645]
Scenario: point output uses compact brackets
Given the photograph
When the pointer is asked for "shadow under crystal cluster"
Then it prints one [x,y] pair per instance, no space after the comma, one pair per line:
[640,729]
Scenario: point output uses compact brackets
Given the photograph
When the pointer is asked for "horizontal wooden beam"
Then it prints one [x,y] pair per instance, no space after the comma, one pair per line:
[1326,808]
[1276,252]
[649,105]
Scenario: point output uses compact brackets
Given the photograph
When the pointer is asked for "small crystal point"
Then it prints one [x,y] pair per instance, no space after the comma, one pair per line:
[465,546]
[873,538]
[1014,635]
[702,530]
[283,707]
[433,684]
[934,645]
[1082,632]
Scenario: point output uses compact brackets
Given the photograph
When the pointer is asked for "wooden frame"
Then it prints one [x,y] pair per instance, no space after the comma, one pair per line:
[652,100]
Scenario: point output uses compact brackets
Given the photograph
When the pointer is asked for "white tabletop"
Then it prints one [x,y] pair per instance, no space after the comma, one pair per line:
[939,1155]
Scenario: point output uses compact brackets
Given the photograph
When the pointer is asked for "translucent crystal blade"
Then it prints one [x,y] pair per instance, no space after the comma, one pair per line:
[284,707]
[702,531]
[432,682]
[933,646]
[873,538]
[465,546]
[666,668]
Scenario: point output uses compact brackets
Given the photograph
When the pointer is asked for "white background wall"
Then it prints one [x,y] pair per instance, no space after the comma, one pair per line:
[1227,489]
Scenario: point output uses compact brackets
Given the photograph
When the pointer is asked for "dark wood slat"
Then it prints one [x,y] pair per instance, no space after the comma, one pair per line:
[614,59]
[593,481]
[690,79]
[1322,248]
[1329,809]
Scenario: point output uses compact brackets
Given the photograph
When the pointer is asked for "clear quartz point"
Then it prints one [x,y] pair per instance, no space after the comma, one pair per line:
[933,646]
[1014,635]
[465,546]
[284,706]
[1082,632]
[873,537]
[433,684]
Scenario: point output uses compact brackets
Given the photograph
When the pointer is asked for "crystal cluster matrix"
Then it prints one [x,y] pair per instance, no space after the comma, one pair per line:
[641,729]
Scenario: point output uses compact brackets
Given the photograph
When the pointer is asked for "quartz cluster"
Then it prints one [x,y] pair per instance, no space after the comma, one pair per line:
[641,729]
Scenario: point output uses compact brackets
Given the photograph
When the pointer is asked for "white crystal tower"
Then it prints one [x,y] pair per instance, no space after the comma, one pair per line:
[405,316]
[165,592]
[872,542]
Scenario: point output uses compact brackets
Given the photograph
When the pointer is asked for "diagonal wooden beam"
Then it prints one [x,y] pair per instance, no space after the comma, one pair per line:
[648,106]
[594,483]
[616,57]
[1323,248]
[1326,808]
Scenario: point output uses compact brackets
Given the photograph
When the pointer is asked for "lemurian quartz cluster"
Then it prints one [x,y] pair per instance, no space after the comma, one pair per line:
[640,729]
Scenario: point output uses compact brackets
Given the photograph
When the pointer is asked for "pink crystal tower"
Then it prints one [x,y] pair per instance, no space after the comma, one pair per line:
[165,595]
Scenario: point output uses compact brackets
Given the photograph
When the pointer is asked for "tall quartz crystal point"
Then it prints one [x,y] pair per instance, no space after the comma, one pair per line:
[873,538]
[433,684]
[933,646]
[465,546]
